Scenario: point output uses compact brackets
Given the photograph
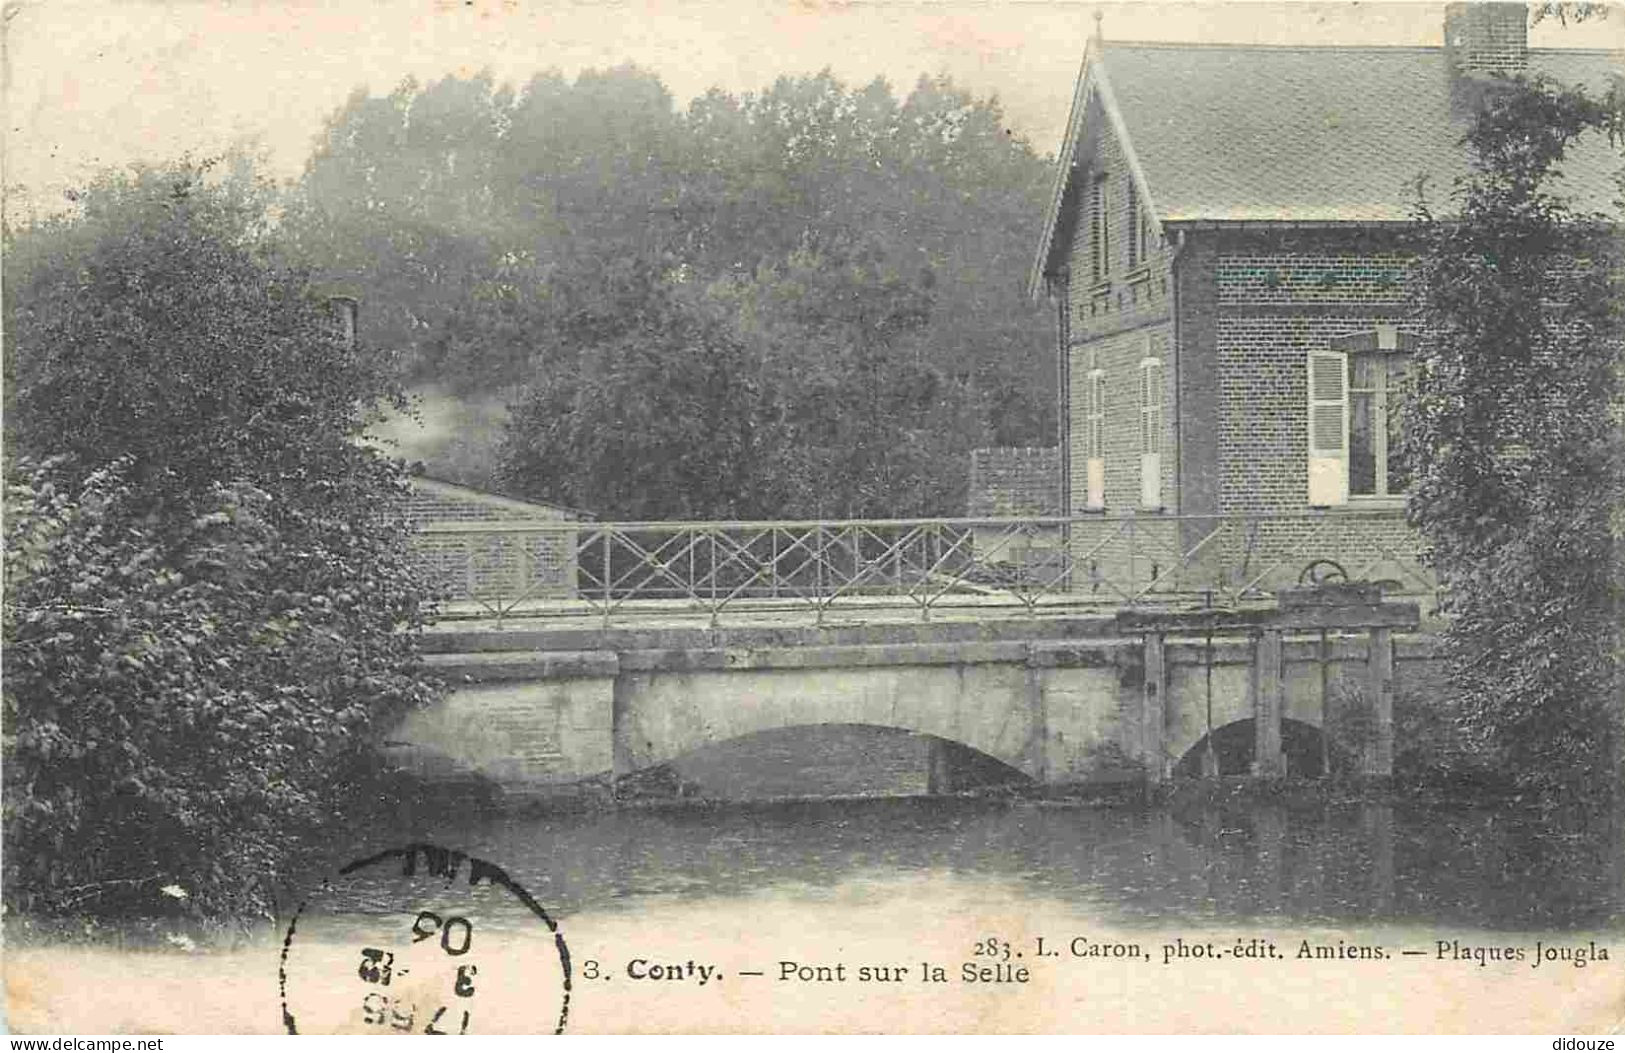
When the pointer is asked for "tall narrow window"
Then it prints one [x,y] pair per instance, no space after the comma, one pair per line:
[1063,387]
[1094,437]
[1151,433]
[1328,428]
[1100,229]
[1136,226]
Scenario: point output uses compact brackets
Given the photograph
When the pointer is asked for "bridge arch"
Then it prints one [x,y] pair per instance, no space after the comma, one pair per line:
[1305,747]
[661,716]
[860,759]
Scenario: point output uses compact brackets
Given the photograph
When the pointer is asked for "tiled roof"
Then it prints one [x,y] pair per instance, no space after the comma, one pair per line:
[1308,134]
[436,500]
[1258,133]
[1015,481]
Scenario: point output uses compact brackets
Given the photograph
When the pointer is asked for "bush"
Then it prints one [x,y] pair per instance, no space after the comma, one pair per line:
[1514,440]
[210,605]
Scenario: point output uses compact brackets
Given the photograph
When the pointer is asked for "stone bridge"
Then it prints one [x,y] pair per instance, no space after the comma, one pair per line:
[544,706]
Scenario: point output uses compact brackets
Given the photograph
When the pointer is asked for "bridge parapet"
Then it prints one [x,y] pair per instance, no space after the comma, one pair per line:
[816,570]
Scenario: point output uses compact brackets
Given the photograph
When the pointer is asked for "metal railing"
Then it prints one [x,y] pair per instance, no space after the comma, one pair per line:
[620,571]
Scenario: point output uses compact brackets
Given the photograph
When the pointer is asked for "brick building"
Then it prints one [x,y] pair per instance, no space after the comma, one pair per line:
[1225,249]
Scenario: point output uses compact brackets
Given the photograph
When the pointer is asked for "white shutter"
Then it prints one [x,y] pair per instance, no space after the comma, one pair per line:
[1151,433]
[1095,421]
[1328,428]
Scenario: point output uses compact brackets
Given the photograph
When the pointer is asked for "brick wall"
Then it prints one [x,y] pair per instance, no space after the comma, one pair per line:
[1243,279]
[1252,305]
[1271,298]
[1277,298]
[492,567]
[1113,325]
[1015,481]
[1197,385]
[1487,37]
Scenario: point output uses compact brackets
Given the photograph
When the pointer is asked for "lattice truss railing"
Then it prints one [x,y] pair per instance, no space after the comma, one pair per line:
[923,566]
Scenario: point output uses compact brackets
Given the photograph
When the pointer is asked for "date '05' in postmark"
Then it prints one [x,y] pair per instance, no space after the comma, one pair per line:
[423,940]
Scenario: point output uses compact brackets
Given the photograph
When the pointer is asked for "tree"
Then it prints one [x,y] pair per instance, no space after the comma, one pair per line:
[868,423]
[498,236]
[210,604]
[663,420]
[1513,434]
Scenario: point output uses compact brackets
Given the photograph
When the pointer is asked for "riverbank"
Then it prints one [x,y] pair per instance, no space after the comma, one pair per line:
[745,885]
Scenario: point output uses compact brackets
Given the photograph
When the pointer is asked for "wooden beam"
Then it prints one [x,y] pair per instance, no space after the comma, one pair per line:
[1352,616]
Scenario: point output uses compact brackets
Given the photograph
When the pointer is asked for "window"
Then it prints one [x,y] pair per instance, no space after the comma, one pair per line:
[1136,228]
[1139,229]
[1094,438]
[1151,433]
[1063,388]
[1100,229]
[1356,400]
[1376,382]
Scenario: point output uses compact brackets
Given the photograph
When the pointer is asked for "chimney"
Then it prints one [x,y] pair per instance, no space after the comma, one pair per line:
[1486,39]
[344,310]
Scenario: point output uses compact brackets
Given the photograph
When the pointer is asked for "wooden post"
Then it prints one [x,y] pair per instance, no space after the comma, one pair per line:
[1154,714]
[1269,693]
[1379,751]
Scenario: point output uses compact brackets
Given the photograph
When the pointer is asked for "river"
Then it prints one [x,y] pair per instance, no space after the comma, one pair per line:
[741,885]
[1490,867]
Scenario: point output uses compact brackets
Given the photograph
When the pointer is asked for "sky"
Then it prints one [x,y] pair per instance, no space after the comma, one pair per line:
[95,83]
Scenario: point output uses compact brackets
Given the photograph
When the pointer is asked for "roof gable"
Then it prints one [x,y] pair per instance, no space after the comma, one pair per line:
[1092,95]
[1227,133]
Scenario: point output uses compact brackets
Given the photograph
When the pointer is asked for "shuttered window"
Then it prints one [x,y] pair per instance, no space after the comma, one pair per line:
[1356,402]
[1100,229]
[1151,433]
[1094,433]
[1136,229]
[1328,428]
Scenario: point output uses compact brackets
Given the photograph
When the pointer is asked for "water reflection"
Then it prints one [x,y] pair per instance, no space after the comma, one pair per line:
[1275,862]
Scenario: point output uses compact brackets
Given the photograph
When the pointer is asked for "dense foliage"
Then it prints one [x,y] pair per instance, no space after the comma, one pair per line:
[667,413]
[506,241]
[1514,437]
[801,390]
[209,599]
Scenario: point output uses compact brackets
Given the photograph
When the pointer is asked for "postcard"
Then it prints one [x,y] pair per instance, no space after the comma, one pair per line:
[841,518]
